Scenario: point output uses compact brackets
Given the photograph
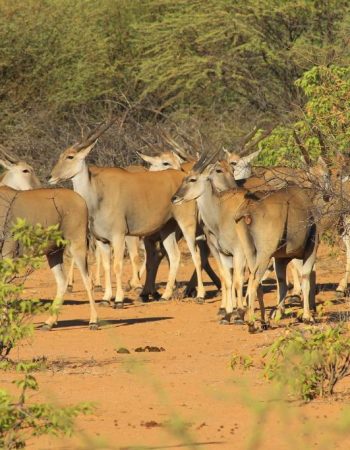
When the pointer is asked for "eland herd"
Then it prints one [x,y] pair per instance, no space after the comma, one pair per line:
[246,217]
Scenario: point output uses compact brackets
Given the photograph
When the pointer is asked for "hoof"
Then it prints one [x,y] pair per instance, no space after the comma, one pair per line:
[145,298]
[156,296]
[94,326]
[200,300]
[98,288]
[221,312]
[226,320]
[238,321]
[46,327]
[252,328]
[104,303]
[70,288]
[190,293]
[137,289]
[118,305]
[265,326]
[309,320]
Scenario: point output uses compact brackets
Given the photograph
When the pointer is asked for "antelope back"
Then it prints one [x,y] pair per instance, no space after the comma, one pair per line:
[46,207]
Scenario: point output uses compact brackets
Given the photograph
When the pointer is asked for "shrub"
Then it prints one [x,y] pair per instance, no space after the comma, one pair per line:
[16,312]
[20,420]
[310,362]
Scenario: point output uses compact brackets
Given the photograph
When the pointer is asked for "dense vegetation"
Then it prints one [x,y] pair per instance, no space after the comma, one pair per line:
[218,66]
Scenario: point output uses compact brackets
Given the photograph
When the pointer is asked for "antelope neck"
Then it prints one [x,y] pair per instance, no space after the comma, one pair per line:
[208,206]
[82,185]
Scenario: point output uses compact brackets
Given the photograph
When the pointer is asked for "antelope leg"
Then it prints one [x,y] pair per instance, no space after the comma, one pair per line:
[174,255]
[71,275]
[105,252]
[81,261]
[118,250]
[55,261]
[132,243]
[189,235]
[343,285]
[296,268]
[281,275]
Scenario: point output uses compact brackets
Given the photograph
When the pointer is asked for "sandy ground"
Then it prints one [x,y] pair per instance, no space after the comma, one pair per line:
[186,396]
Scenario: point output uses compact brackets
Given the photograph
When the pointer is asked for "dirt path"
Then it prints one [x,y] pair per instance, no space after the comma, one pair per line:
[186,394]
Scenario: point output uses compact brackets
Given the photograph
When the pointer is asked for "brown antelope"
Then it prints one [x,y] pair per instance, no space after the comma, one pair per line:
[123,204]
[21,176]
[50,207]
[282,225]
[172,160]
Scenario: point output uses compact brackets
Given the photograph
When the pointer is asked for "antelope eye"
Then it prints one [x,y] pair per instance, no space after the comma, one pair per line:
[166,164]
[70,157]
[218,171]
[192,180]
[25,171]
[233,163]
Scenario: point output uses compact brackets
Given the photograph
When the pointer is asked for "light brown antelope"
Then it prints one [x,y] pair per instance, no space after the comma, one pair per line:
[180,161]
[123,204]
[220,225]
[282,225]
[50,207]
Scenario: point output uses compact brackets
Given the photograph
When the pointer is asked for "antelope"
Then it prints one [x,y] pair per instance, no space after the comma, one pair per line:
[220,225]
[282,225]
[292,221]
[50,207]
[179,159]
[123,204]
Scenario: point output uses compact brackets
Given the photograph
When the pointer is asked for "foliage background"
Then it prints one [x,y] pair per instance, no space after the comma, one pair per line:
[217,66]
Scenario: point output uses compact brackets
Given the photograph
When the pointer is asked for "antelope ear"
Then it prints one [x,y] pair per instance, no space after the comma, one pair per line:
[148,159]
[82,154]
[207,170]
[247,159]
[227,152]
[7,164]
[178,158]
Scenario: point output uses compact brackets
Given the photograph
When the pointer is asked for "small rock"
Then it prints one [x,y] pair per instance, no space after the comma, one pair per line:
[122,350]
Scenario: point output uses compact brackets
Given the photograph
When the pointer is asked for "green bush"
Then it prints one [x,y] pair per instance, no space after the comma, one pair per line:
[19,420]
[16,312]
[311,361]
